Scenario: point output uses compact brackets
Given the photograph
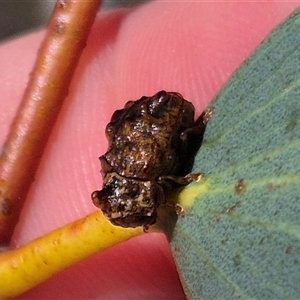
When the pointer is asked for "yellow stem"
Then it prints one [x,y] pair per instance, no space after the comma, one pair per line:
[28,266]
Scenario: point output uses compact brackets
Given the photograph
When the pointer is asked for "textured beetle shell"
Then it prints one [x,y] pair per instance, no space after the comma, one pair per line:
[151,139]
[144,137]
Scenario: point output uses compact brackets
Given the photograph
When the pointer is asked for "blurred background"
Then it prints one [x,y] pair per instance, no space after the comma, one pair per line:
[21,16]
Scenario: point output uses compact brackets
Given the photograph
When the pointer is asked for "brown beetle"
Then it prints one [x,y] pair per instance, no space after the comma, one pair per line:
[152,145]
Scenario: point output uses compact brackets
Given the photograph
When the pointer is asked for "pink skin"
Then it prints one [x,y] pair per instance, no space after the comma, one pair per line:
[190,47]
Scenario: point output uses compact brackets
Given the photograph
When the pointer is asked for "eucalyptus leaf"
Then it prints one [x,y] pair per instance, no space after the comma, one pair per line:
[240,235]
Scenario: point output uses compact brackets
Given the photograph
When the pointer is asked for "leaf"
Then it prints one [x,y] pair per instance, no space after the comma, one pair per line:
[240,236]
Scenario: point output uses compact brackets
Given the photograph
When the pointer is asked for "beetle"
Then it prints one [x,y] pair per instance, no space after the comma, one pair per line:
[152,143]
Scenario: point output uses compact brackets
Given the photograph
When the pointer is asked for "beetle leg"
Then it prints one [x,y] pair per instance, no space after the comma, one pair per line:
[199,127]
[194,177]
[179,210]
[191,139]
[179,180]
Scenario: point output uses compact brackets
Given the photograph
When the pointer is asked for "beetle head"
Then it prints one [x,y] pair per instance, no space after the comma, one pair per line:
[127,202]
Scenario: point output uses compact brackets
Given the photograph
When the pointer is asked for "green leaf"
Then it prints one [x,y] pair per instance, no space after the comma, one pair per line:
[240,236]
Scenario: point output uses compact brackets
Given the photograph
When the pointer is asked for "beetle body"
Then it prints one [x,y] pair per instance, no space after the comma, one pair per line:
[152,144]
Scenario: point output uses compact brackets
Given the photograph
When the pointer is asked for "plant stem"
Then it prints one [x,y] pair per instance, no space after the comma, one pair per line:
[26,267]
[58,57]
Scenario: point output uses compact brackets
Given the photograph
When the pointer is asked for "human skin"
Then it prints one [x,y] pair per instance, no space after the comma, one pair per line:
[188,47]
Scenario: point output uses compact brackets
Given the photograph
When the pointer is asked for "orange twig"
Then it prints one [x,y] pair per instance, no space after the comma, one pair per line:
[65,39]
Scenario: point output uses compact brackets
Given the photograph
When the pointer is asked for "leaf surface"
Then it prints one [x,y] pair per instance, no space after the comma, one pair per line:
[240,236]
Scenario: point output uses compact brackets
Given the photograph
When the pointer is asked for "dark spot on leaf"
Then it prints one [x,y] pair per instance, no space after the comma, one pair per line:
[217,218]
[177,250]
[240,186]
[6,207]
[288,250]
[270,187]
[292,122]
[237,260]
